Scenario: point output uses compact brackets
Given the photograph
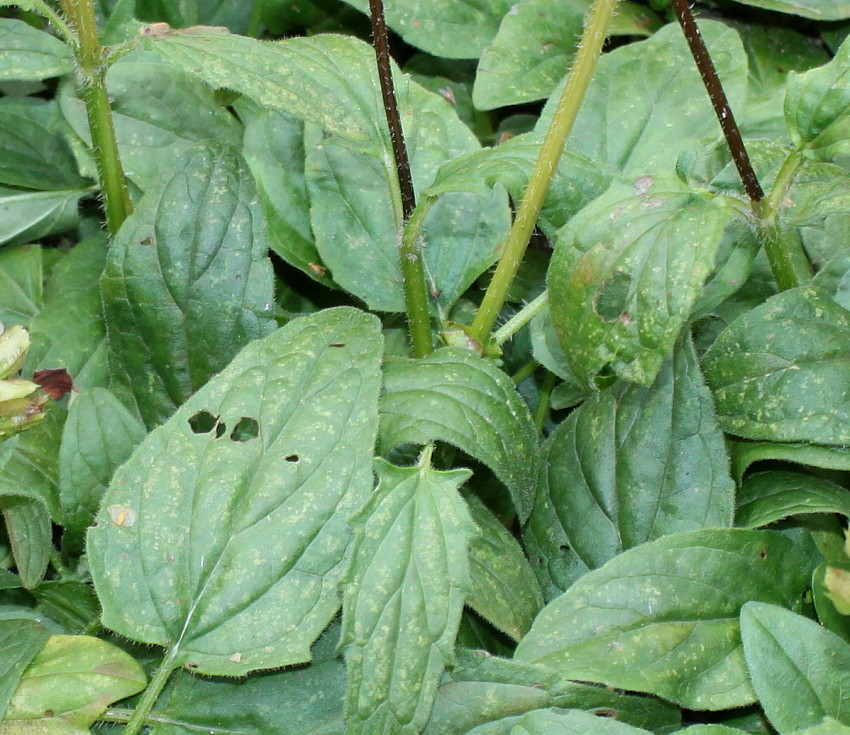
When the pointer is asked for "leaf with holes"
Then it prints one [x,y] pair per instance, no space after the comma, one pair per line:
[780,371]
[627,271]
[404,596]
[631,464]
[662,618]
[224,535]
[460,398]
[194,253]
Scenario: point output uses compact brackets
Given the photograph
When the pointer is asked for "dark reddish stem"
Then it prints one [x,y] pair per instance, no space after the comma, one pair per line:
[718,100]
[385,77]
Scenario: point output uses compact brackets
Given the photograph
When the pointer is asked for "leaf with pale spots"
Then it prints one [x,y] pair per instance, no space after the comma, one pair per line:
[404,596]
[29,54]
[628,270]
[779,372]
[458,397]
[631,464]
[224,535]
[800,670]
[187,282]
[662,618]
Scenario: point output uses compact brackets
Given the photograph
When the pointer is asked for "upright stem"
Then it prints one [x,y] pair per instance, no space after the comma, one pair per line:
[717,95]
[589,49]
[410,252]
[148,699]
[92,83]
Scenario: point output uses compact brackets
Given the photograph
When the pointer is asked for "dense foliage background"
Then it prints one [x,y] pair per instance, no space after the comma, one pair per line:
[237,499]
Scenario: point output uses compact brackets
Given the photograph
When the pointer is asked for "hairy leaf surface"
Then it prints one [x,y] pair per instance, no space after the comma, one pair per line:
[779,372]
[405,595]
[662,618]
[224,535]
[457,397]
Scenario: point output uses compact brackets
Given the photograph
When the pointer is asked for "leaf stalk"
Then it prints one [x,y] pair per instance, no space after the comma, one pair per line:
[79,15]
[578,80]
[139,718]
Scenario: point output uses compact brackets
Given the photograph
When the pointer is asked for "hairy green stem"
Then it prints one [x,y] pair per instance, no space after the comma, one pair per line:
[139,718]
[520,319]
[525,372]
[92,87]
[541,410]
[51,16]
[413,273]
[589,49]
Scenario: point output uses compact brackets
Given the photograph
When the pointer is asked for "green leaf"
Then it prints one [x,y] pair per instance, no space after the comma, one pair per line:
[709,730]
[194,253]
[69,684]
[329,82]
[647,101]
[816,107]
[20,641]
[485,689]
[34,153]
[404,595]
[457,397]
[627,271]
[662,618]
[504,589]
[20,284]
[158,114]
[800,671]
[234,14]
[30,215]
[744,454]
[449,28]
[828,616]
[69,332]
[827,727]
[274,151]
[30,536]
[630,465]
[560,722]
[815,9]
[70,603]
[766,497]
[27,54]
[236,525]
[304,701]
[99,436]
[779,372]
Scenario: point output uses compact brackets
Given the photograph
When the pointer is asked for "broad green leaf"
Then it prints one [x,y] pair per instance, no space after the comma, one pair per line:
[20,641]
[455,29]
[29,54]
[647,101]
[559,722]
[834,279]
[29,215]
[302,701]
[709,730]
[329,82]
[829,726]
[457,397]
[766,497]
[34,153]
[779,372]
[69,684]
[535,45]
[248,535]
[662,618]
[743,454]
[234,14]
[30,536]
[20,284]
[274,150]
[484,689]
[627,271]
[194,253]
[159,113]
[404,596]
[815,9]
[70,603]
[816,107]
[99,435]
[575,183]
[630,465]
[800,671]
[547,351]
[504,589]
[69,332]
